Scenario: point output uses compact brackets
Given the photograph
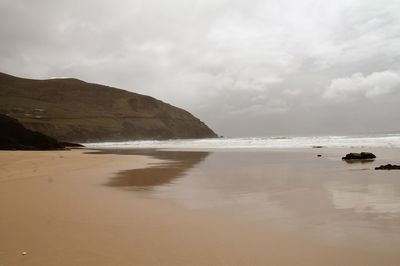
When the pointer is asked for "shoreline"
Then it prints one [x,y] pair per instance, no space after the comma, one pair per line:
[57,207]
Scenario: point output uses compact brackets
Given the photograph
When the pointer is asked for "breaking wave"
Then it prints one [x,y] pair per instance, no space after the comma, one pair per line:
[357,141]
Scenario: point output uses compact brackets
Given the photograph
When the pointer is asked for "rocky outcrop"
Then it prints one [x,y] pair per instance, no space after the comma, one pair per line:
[359,156]
[14,136]
[388,167]
[76,111]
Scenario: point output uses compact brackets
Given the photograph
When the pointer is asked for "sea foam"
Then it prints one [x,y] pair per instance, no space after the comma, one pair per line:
[357,141]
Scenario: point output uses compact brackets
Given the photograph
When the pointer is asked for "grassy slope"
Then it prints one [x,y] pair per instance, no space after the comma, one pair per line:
[78,111]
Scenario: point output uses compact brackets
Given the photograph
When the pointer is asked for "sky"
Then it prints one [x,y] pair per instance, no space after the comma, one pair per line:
[245,68]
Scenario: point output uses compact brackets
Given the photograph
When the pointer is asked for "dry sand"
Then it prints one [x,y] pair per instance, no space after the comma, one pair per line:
[54,206]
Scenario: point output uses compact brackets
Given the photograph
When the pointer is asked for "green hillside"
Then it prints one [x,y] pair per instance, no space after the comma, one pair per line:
[73,110]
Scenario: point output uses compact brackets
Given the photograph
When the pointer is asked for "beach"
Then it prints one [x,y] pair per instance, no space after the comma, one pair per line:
[284,207]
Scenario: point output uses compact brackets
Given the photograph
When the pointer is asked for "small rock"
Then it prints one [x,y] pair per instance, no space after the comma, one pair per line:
[319,155]
[388,167]
[359,156]
[24,253]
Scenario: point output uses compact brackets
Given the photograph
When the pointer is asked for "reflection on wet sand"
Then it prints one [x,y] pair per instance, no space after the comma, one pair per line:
[323,199]
[274,184]
[283,198]
[359,161]
[382,199]
[299,191]
[174,165]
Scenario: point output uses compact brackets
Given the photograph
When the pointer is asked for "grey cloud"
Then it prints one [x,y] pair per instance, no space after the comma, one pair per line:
[371,86]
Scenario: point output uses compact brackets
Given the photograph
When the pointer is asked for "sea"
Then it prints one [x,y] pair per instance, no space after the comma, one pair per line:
[386,140]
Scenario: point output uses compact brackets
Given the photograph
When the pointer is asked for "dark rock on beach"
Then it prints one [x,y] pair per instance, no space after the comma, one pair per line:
[388,167]
[359,156]
[14,136]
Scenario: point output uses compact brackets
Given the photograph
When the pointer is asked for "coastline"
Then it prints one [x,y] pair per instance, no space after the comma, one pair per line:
[57,208]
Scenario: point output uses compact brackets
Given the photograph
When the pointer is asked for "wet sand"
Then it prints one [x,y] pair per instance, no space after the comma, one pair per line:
[70,208]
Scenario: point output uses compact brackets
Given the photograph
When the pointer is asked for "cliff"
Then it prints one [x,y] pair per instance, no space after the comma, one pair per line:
[74,110]
[14,136]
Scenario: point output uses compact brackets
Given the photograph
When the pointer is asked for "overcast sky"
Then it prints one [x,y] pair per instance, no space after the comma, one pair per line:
[246,68]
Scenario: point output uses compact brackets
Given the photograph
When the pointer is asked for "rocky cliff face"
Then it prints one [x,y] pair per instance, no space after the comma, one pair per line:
[14,136]
[73,110]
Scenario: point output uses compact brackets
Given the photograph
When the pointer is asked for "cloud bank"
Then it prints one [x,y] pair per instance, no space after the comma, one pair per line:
[377,84]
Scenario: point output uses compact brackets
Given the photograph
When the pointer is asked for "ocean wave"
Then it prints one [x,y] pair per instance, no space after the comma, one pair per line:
[382,140]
